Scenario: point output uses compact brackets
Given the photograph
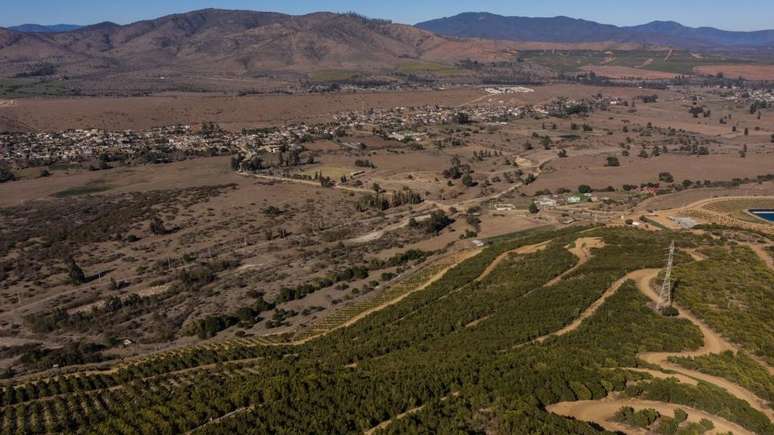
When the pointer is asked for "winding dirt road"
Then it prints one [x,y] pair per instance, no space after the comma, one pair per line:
[582,250]
[524,250]
[590,310]
[601,411]
[713,344]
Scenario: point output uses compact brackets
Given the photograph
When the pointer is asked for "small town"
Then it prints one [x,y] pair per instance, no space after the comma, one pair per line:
[170,143]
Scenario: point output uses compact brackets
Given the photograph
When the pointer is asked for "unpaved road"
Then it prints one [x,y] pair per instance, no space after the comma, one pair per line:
[713,344]
[589,311]
[602,411]
[762,253]
[378,234]
[582,250]
[460,257]
[524,250]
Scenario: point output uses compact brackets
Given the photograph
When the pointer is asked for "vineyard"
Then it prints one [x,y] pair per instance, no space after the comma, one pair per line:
[449,349]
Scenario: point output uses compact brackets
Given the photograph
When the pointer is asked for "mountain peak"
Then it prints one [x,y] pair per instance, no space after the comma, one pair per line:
[562,29]
[41,28]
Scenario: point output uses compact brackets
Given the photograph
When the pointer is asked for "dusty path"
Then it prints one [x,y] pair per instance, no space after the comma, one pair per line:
[582,250]
[221,418]
[386,424]
[589,311]
[602,411]
[378,234]
[762,253]
[524,250]
[713,344]
[695,255]
[307,182]
[462,256]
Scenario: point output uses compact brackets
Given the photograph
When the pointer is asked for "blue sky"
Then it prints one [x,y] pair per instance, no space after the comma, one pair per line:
[731,15]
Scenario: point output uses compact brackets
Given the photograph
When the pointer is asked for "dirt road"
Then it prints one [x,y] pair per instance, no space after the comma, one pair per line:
[582,250]
[602,411]
[524,250]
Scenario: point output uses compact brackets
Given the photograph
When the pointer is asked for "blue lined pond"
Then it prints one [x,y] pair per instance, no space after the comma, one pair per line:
[765,214]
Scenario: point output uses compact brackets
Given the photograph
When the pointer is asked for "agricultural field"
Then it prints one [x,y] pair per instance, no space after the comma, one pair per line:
[468,343]
[748,71]
[397,271]
[672,62]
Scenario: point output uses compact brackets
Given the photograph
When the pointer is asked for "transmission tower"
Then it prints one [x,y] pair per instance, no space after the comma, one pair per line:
[666,287]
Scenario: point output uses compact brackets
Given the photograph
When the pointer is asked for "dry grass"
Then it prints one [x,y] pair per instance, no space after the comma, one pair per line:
[749,72]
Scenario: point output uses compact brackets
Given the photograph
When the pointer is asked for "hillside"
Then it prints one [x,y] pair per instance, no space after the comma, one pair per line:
[40,28]
[571,30]
[237,44]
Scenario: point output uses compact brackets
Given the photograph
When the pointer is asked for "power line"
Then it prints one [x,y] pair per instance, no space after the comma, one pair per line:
[665,295]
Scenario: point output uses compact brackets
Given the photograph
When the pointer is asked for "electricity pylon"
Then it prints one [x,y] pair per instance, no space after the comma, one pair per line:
[666,287]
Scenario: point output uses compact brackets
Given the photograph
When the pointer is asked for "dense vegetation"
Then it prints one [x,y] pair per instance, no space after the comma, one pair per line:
[456,357]
[732,291]
[707,397]
[651,419]
[739,368]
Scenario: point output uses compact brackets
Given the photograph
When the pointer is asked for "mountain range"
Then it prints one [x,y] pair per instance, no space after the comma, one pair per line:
[572,30]
[218,49]
[40,28]
[239,43]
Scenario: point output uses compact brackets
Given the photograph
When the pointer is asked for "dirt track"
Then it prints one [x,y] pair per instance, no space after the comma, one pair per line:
[589,311]
[602,411]
[763,254]
[524,250]
[457,260]
[713,344]
[582,250]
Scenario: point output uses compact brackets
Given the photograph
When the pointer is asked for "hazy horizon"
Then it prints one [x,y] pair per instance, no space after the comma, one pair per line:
[744,15]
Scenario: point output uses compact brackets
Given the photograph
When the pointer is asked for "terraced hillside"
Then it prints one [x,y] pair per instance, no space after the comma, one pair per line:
[504,337]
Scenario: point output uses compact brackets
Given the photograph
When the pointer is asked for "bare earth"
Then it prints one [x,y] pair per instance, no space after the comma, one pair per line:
[602,411]
[749,72]
[625,72]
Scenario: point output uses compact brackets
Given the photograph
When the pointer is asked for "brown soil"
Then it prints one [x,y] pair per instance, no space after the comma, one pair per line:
[233,113]
[749,72]
[588,312]
[576,170]
[458,258]
[625,72]
[602,411]
[582,250]
[524,250]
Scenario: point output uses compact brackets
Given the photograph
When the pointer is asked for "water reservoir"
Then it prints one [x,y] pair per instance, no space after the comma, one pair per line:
[765,214]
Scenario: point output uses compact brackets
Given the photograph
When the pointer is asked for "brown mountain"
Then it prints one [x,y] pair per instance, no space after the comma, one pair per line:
[236,44]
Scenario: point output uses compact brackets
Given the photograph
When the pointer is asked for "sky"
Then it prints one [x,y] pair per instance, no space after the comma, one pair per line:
[728,15]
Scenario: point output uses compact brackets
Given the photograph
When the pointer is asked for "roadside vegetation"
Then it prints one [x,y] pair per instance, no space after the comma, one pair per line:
[731,290]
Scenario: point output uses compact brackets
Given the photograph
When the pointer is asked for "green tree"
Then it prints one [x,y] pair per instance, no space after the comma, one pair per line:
[74,271]
[6,174]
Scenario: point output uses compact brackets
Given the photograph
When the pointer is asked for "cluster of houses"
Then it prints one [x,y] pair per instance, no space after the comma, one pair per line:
[87,144]
[553,201]
[504,90]
[398,122]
